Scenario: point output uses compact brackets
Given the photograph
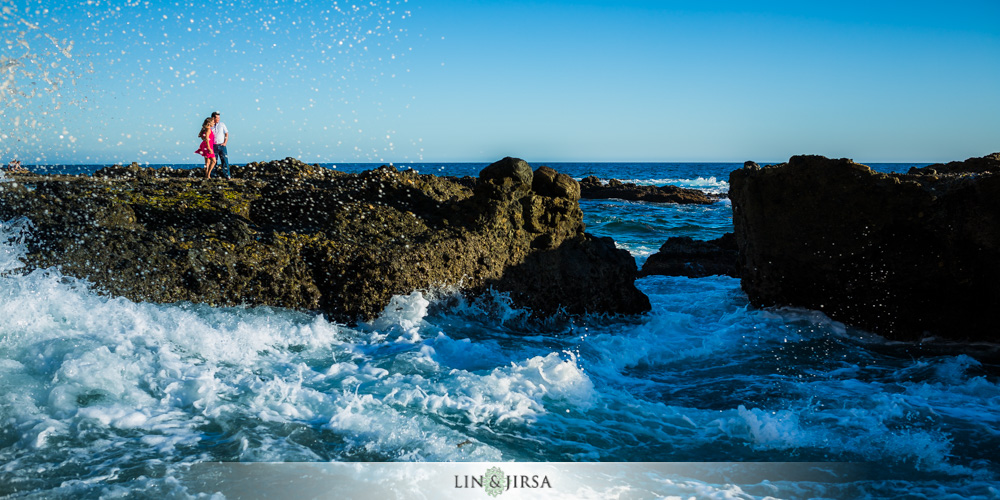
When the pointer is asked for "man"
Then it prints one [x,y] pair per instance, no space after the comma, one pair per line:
[221,138]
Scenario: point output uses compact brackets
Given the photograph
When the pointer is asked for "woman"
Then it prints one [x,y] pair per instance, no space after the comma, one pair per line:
[208,139]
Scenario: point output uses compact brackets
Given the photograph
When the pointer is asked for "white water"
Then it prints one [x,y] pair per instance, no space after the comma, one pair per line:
[707,184]
[100,394]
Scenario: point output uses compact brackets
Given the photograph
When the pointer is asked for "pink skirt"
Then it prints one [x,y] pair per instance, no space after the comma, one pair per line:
[205,151]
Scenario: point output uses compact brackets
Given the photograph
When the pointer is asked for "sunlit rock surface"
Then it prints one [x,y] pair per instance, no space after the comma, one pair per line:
[906,256]
[289,234]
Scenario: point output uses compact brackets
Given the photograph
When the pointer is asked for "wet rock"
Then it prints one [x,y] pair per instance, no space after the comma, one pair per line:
[294,235]
[685,256]
[592,187]
[544,279]
[906,256]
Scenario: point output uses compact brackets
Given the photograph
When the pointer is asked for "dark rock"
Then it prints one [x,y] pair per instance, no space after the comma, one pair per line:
[136,171]
[988,163]
[545,278]
[289,168]
[594,188]
[685,256]
[905,256]
[515,169]
[292,235]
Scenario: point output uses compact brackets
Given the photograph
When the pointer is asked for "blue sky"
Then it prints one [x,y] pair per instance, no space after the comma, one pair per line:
[423,80]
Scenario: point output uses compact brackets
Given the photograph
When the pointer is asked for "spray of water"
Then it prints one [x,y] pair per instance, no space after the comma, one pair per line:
[101,81]
[37,63]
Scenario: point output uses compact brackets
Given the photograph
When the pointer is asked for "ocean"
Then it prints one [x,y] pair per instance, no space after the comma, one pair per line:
[104,397]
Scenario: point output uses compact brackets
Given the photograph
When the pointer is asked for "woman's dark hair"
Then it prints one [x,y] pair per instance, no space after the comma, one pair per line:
[207,124]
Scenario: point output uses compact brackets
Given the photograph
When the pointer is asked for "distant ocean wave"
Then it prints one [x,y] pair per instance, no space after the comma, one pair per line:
[707,184]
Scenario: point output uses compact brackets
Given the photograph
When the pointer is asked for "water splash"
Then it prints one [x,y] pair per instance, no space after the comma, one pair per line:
[13,238]
[80,74]
[37,63]
[33,63]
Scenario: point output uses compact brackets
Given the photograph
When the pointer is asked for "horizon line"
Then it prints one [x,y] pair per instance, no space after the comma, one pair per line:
[196,164]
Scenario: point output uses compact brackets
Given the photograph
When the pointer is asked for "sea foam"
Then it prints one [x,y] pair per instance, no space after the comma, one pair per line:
[97,391]
[707,184]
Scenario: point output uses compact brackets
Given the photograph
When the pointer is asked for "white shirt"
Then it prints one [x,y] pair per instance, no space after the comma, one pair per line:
[220,131]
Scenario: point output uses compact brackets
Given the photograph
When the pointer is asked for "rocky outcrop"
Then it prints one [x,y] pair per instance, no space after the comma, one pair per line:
[906,256]
[594,188]
[289,234]
[548,182]
[289,168]
[988,163]
[686,256]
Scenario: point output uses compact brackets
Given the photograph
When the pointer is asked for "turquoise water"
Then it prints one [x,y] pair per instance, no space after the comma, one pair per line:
[101,396]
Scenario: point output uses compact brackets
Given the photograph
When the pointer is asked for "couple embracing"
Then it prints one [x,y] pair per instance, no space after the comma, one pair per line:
[214,136]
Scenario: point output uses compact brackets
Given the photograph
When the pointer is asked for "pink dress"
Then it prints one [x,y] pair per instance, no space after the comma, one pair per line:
[205,149]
